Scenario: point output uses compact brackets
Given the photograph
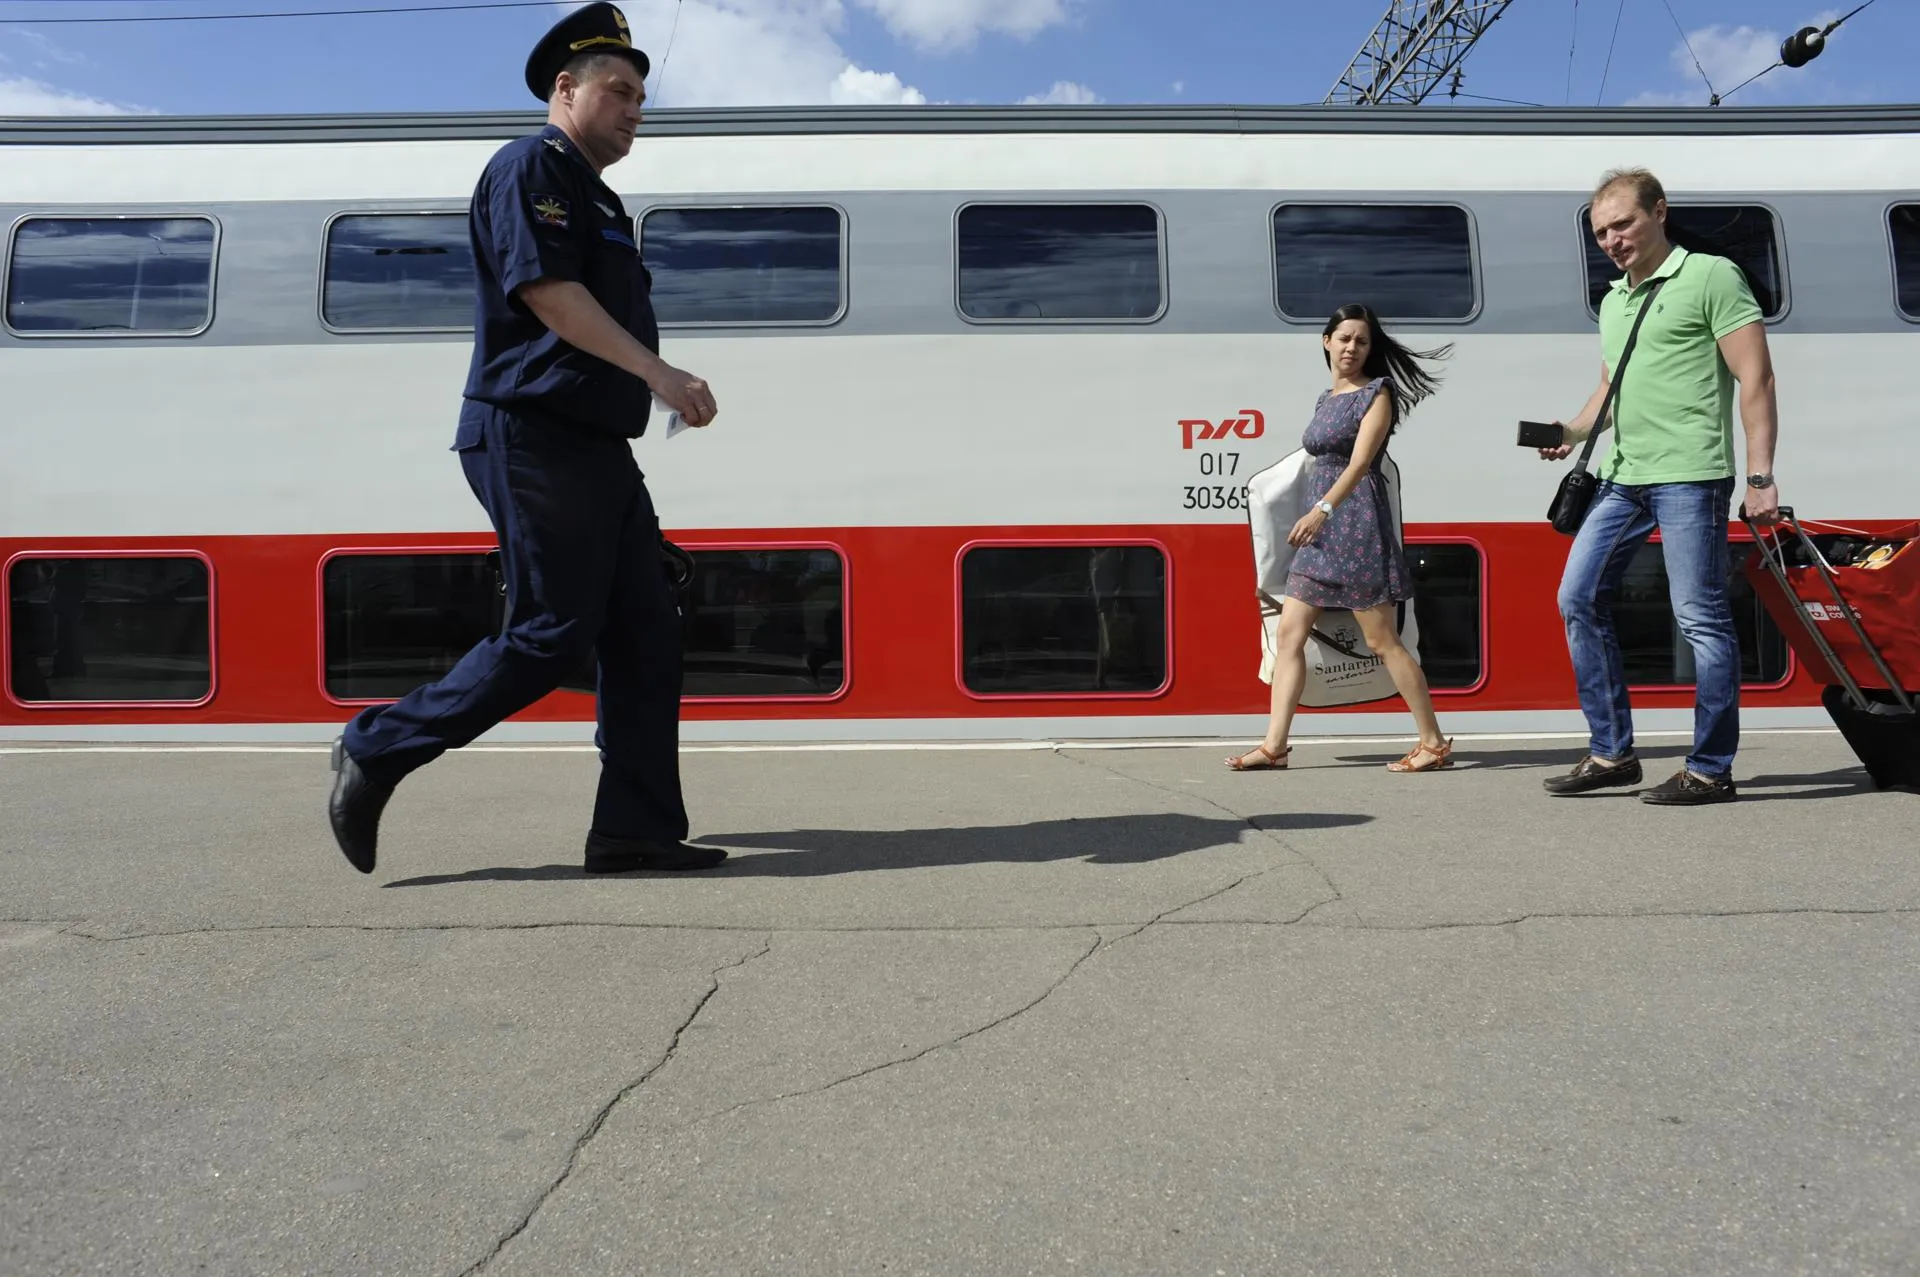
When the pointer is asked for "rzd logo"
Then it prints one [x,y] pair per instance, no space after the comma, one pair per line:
[1249,424]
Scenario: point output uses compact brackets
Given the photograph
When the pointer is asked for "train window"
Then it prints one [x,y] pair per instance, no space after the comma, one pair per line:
[1063,619]
[1407,261]
[765,623]
[757,622]
[1742,233]
[395,621]
[1903,224]
[745,265]
[1650,640]
[1446,607]
[1026,262]
[388,271]
[110,629]
[111,275]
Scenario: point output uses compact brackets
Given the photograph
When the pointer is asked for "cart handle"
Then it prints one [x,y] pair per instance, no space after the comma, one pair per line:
[1775,559]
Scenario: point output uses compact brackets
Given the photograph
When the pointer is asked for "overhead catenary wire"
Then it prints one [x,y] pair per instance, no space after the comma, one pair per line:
[1690,53]
[1618,9]
[1486,98]
[1825,31]
[660,81]
[1572,44]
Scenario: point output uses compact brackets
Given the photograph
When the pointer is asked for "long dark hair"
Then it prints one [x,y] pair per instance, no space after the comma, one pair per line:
[1388,358]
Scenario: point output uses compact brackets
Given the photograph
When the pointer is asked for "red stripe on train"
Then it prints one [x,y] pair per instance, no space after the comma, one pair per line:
[902,639]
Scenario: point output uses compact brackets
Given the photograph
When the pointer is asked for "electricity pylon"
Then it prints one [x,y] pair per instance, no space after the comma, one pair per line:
[1412,49]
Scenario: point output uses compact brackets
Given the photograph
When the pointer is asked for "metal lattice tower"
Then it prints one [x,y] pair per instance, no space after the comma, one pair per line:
[1413,49]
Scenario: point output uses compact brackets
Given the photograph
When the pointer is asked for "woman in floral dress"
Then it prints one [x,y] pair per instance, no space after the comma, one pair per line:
[1347,551]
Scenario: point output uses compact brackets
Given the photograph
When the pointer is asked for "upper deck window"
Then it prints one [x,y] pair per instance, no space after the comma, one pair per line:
[1742,233]
[1903,224]
[111,275]
[1060,262]
[387,271]
[1406,261]
[745,265]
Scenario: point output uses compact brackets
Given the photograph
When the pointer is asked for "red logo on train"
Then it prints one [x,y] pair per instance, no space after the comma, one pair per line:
[1248,423]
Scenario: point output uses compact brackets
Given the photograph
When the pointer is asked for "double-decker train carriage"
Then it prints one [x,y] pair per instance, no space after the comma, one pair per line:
[992,381]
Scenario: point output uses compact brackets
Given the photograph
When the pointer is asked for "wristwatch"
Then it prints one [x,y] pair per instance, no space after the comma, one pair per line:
[1761,481]
[1324,507]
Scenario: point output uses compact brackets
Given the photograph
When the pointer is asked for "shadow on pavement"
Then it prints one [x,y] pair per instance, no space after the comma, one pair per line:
[810,853]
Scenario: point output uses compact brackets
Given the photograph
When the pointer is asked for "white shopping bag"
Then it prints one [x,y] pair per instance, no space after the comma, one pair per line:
[1341,668]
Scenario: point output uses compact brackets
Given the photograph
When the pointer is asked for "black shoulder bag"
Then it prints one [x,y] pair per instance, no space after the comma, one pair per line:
[1570,503]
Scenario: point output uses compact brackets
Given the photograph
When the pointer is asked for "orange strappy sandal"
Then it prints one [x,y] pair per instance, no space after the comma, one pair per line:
[1275,762]
[1438,759]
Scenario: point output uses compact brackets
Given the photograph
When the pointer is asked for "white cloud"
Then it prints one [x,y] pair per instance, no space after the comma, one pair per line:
[1063,93]
[45,51]
[1179,87]
[956,24]
[789,52]
[21,96]
[756,53]
[866,88]
[1729,56]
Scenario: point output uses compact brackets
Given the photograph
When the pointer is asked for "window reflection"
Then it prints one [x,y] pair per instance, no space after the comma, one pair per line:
[1078,618]
[1742,234]
[1059,261]
[120,629]
[111,275]
[395,621]
[765,623]
[743,265]
[1903,221]
[1446,608]
[1657,654]
[386,271]
[754,622]
[1407,261]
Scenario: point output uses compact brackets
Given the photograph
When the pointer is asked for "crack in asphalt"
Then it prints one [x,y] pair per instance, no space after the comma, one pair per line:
[1098,944]
[606,1111]
[1272,835]
[1129,926]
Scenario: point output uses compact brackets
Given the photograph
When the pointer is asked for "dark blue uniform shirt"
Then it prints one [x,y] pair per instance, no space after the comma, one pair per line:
[541,212]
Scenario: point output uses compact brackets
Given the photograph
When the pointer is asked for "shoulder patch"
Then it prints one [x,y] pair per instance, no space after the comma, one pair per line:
[550,210]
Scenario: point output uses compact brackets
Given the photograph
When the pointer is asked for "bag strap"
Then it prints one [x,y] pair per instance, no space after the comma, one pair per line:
[1613,386]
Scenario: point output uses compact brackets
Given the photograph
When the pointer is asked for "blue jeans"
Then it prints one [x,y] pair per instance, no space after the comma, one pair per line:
[1692,518]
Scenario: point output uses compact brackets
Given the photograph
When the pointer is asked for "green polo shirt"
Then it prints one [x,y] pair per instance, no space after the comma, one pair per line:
[1673,417]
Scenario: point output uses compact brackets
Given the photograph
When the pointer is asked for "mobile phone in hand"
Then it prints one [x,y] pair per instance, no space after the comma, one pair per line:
[1541,434]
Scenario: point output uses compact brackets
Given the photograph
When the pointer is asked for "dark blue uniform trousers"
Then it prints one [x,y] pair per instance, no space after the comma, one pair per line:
[580,549]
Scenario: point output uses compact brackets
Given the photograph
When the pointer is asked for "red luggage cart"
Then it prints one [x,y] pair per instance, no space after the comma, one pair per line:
[1827,613]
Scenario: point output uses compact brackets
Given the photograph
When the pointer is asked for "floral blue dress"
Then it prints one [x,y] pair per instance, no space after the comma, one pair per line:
[1356,561]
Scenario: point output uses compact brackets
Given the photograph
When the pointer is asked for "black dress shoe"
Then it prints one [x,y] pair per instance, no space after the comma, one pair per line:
[1685,789]
[609,855]
[354,810]
[1589,774]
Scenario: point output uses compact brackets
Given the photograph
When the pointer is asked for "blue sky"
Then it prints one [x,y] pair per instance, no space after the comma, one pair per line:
[741,52]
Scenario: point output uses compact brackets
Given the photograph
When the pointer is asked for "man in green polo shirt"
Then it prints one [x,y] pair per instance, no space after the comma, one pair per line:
[1669,466]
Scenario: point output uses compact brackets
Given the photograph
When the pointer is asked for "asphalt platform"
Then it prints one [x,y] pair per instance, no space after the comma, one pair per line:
[1062,1009]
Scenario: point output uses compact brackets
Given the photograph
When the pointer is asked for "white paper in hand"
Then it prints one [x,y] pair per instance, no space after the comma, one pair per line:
[675,422]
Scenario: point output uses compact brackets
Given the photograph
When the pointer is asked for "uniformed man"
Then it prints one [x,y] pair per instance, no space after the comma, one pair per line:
[564,358]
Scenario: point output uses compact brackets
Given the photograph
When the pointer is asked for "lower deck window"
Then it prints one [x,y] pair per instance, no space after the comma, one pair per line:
[395,621]
[1063,619]
[1657,654]
[1446,610]
[110,629]
[765,623]
[756,622]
